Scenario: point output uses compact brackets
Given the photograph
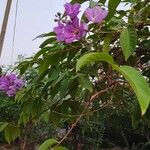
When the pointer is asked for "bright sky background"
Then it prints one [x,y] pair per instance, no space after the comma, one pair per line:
[34,18]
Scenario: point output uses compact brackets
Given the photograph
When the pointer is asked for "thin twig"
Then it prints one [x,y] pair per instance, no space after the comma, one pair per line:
[72,127]
[96,95]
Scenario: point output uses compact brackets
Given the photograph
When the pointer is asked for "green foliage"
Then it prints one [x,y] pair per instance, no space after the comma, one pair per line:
[48,144]
[93,57]
[128,41]
[60,148]
[79,1]
[3,126]
[112,5]
[9,110]
[11,133]
[85,82]
[107,41]
[138,84]
[92,74]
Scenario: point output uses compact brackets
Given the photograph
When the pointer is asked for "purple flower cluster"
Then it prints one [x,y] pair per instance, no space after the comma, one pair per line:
[10,84]
[71,30]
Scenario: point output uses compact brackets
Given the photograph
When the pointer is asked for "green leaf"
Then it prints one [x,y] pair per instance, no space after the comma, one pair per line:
[131,1]
[22,67]
[24,118]
[11,133]
[49,49]
[45,35]
[64,88]
[47,61]
[48,41]
[60,148]
[58,80]
[33,107]
[47,144]
[138,84]
[135,117]
[85,82]
[3,126]
[92,57]
[42,51]
[93,3]
[45,116]
[135,79]
[53,74]
[102,1]
[128,39]
[112,5]
[106,45]
[78,1]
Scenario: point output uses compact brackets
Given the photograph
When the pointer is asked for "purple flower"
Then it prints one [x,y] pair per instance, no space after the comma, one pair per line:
[18,83]
[72,10]
[4,83]
[11,77]
[96,14]
[59,30]
[70,31]
[10,84]
[12,91]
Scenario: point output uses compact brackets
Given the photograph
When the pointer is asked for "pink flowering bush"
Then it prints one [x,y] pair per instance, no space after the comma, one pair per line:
[70,30]
[73,29]
[10,84]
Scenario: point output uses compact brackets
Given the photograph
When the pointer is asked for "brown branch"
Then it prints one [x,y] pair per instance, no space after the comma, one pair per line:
[96,95]
[72,127]
[104,105]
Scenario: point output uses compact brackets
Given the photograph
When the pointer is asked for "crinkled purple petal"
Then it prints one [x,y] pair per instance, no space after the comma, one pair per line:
[4,83]
[72,10]
[10,93]
[69,40]
[68,8]
[89,13]
[18,83]
[84,29]
[59,28]
[59,31]
[69,34]
[104,13]
[11,77]
[75,22]
[99,14]
[4,87]
[60,37]
[96,14]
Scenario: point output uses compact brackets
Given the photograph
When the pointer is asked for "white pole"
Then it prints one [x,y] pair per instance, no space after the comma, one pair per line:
[4,25]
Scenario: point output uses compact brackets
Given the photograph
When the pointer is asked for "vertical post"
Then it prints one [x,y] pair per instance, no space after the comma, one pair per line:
[4,25]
